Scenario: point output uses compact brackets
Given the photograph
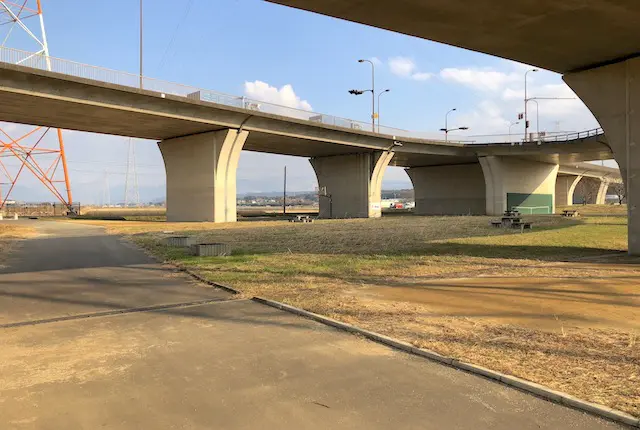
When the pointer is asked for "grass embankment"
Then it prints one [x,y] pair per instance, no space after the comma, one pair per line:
[559,305]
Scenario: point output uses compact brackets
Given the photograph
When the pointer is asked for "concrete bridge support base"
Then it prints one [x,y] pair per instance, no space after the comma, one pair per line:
[612,92]
[351,185]
[592,191]
[449,190]
[565,188]
[511,183]
[201,175]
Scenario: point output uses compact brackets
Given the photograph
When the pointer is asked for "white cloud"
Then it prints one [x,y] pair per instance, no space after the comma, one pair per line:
[285,96]
[487,117]
[421,76]
[407,68]
[479,79]
[376,61]
[402,66]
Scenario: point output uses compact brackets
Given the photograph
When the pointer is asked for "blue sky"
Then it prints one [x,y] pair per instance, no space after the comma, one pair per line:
[255,48]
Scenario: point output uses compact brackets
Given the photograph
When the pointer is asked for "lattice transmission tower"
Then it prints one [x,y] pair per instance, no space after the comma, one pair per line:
[39,150]
[131,191]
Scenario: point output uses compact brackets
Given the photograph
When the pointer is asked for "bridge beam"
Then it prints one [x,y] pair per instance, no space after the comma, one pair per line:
[201,175]
[565,188]
[351,185]
[612,93]
[449,190]
[528,186]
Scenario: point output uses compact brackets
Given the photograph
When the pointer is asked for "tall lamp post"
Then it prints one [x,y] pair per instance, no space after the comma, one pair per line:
[446,128]
[373,93]
[511,125]
[140,44]
[526,120]
[381,93]
[537,117]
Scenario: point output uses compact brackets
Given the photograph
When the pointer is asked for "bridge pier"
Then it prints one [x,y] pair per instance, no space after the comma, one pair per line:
[353,184]
[201,175]
[449,190]
[565,188]
[612,93]
[528,186]
[592,190]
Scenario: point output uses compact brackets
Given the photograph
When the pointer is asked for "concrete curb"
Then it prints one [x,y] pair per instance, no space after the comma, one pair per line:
[179,267]
[205,281]
[512,381]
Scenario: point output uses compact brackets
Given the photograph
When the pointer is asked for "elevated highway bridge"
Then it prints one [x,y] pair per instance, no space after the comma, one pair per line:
[201,134]
[593,43]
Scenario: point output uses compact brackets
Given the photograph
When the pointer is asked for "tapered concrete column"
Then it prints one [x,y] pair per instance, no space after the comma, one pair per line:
[612,93]
[201,175]
[528,186]
[565,187]
[449,190]
[353,184]
[601,197]
[592,191]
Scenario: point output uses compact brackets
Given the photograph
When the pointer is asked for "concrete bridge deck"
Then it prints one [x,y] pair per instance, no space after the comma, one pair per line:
[44,98]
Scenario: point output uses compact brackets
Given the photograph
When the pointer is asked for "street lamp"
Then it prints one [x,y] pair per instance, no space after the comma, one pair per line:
[537,117]
[511,125]
[140,44]
[381,93]
[446,128]
[526,121]
[373,95]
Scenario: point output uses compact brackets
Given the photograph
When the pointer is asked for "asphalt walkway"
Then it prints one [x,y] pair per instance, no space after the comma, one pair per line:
[95,334]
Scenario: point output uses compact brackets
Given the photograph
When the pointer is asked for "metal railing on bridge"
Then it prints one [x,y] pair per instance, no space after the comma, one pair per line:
[80,70]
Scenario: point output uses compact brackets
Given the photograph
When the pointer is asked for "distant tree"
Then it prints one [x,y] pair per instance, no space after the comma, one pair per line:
[620,190]
[588,188]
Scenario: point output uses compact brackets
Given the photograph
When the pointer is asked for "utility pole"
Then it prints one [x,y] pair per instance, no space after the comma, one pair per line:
[526,119]
[141,44]
[381,93]
[284,196]
[373,94]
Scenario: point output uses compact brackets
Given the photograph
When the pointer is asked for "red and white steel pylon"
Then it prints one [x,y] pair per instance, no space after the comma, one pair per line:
[49,165]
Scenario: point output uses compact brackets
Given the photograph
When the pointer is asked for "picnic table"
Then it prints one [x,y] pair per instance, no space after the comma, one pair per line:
[301,218]
[571,213]
[511,219]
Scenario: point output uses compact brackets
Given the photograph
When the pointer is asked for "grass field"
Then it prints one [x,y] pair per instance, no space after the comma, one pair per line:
[596,209]
[159,213]
[559,305]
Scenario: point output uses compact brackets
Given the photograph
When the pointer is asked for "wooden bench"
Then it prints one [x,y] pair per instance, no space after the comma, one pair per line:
[496,223]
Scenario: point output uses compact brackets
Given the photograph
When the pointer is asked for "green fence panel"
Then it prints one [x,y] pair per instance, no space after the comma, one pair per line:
[530,203]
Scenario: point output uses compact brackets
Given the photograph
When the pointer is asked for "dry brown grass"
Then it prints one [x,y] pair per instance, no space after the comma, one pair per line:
[9,234]
[596,209]
[559,306]
[158,213]
[122,212]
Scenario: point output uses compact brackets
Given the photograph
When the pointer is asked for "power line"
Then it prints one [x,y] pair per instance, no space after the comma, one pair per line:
[173,36]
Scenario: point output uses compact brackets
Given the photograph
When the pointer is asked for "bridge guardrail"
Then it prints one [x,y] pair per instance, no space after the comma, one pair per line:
[80,70]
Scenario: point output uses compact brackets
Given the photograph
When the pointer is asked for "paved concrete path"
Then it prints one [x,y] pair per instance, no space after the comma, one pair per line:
[228,364]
